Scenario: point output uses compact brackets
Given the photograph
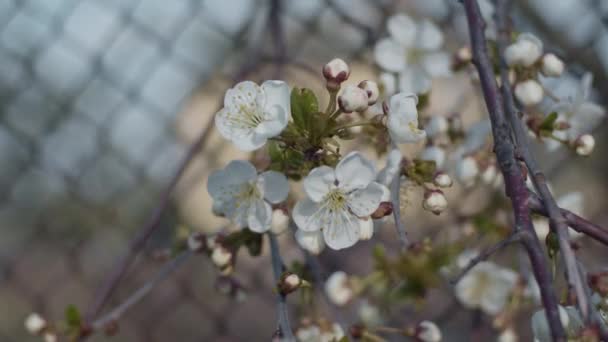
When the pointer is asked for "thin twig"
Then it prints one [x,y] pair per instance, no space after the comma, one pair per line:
[396,199]
[284,327]
[486,253]
[514,182]
[557,221]
[134,298]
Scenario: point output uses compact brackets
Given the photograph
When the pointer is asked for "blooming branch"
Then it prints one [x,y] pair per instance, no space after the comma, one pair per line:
[284,327]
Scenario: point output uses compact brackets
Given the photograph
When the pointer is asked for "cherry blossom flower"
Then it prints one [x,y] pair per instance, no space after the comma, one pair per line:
[414,51]
[487,287]
[428,331]
[434,153]
[338,288]
[35,324]
[525,51]
[244,196]
[252,114]
[353,99]
[552,66]
[529,92]
[339,202]
[403,119]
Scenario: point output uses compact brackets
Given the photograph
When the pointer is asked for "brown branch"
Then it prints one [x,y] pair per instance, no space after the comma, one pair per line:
[514,181]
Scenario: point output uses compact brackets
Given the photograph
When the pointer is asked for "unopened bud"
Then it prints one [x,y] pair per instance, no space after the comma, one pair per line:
[288,283]
[196,242]
[489,174]
[461,58]
[427,331]
[525,51]
[353,99]
[435,201]
[335,72]
[584,144]
[221,256]
[338,288]
[280,221]
[529,92]
[442,180]
[49,337]
[35,324]
[372,90]
[467,170]
[552,65]
[599,283]
[384,209]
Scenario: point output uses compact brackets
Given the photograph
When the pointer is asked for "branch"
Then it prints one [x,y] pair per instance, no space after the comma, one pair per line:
[284,327]
[485,254]
[396,199]
[576,222]
[557,221]
[514,182]
[162,274]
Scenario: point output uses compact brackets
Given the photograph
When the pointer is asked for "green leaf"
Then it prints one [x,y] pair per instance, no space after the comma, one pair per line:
[72,316]
[274,151]
[304,104]
[546,127]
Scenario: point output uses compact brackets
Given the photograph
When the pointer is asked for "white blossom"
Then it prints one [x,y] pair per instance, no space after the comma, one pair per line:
[436,126]
[372,90]
[569,318]
[310,333]
[467,170]
[507,335]
[369,314]
[244,196]
[34,323]
[435,202]
[316,333]
[529,92]
[443,180]
[221,256]
[584,144]
[414,51]
[253,113]
[339,202]
[336,71]
[313,242]
[489,174]
[487,287]
[338,289]
[280,221]
[49,337]
[434,153]
[552,66]
[388,83]
[353,99]
[572,201]
[403,119]
[525,51]
[427,331]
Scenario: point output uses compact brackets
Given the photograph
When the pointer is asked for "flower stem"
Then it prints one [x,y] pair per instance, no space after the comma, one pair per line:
[331,106]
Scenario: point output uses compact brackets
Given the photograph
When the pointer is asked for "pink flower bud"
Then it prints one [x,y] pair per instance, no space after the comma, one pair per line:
[435,201]
[353,99]
[372,90]
[335,72]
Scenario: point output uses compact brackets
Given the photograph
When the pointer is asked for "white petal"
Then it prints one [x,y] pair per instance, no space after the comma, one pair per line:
[354,172]
[277,94]
[237,172]
[342,230]
[404,130]
[434,153]
[318,182]
[246,94]
[250,142]
[306,215]
[392,168]
[414,80]
[390,55]
[259,217]
[437,64]
[275,121]
[364,202]
[402,29]
[586,118]
[366,229]
[310,241]
[274,186]
[388,82]
[428,35]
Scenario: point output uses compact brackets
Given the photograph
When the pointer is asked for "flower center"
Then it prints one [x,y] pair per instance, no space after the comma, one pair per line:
[413,56]
[335,200]
[248,193]
[247,116]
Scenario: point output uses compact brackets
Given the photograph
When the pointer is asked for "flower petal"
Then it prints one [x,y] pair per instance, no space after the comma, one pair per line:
[274,186]
[428,35]
[318,182]
[437,64]
[236,173]
[402,29]
[275,121]
[259,216]
[355,172]
[277,94]
[390,55]
[226,122]
[306,214]
[250,142]
[364,202]
[342,230]
[366,229]
[403,119]
[392,168]
[310,241]
[246,93]
[414,80]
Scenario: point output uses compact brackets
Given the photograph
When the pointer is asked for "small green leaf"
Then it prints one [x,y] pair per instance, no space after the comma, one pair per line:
[274,151]
[303,104]
[72,316]
[546,127]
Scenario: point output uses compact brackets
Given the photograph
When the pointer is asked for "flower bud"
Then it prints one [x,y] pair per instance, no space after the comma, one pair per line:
[49,337]
[196,242]
[437,125]
[280,221]
[372,90]
[552,66]
[462,58]
[35,324]
[529,92]
[338,288]
[384,209]
[507,335]
[599,283]
[353,99]
[584,144]
[467,170]
[489,174]
[525,51]
[335,72]
[435,201]
[427,331]
[442,180]
[221,256]
[288,283]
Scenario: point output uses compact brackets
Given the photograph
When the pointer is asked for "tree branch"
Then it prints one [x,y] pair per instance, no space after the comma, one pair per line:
[284,327]
[557,221]
[514,182]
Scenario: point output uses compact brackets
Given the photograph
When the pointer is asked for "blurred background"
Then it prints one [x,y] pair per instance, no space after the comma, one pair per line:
[101,101]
